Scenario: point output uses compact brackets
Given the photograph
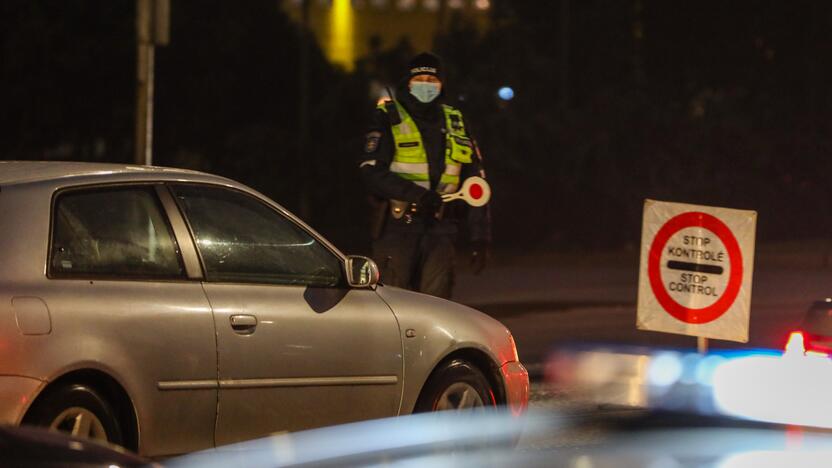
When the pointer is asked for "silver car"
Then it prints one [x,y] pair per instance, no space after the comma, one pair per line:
[169,311]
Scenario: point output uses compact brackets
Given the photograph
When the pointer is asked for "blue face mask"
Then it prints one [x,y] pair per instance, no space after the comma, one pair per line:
[425,92]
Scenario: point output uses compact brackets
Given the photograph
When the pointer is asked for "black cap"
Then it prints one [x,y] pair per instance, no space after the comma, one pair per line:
[425,64]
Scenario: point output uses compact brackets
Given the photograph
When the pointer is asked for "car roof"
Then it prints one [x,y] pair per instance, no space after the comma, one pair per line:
[20,172]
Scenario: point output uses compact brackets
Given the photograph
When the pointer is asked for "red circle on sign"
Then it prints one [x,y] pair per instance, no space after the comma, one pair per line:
[475,191]
[713,224]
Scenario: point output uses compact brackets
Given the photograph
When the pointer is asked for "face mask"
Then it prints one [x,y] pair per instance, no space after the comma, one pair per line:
[425,92]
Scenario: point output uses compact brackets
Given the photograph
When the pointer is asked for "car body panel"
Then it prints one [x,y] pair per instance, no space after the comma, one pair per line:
[139,333]
[22,241]
[146,335]
[439,328]
[327,355]
[16,394]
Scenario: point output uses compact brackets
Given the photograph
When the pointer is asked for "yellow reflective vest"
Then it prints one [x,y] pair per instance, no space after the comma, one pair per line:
[410,160]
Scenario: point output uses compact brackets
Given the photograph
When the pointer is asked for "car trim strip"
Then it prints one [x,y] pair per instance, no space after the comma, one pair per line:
[310,381]
[266,383]
[188,385]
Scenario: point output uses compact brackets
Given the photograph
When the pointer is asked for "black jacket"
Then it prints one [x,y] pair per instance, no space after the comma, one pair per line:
[378,153]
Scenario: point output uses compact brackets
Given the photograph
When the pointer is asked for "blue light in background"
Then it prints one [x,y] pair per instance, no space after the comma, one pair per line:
[665,369]
[506,93]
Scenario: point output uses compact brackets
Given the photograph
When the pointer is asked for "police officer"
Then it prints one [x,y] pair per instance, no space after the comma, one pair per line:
[417,149]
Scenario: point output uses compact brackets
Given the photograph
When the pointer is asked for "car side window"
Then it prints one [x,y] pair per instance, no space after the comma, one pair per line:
[112,232]
[241,239]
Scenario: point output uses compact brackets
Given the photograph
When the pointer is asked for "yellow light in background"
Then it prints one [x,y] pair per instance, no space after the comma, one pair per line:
[341,43]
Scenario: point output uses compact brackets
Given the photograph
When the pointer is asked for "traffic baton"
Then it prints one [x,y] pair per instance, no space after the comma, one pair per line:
[475,191]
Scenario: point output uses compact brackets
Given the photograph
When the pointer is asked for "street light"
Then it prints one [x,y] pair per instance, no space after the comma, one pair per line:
[341,33]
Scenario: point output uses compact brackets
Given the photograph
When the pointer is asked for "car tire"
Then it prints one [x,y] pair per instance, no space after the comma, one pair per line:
[454,385]
[78,410]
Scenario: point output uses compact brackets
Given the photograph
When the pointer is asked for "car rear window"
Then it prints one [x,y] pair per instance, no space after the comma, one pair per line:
[112,232]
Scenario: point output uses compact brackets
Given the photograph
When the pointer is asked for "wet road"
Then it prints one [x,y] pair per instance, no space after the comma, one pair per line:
[552,300]
[549,301]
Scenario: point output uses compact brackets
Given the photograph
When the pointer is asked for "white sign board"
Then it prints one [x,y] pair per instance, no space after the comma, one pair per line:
[696,269]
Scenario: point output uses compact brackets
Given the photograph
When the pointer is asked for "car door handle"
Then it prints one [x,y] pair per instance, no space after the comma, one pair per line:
[243,324]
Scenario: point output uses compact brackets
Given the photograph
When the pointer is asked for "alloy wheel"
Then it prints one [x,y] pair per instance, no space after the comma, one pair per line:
[458,396]
[80,422]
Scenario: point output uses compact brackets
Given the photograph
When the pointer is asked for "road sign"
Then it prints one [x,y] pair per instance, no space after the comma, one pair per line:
[696,270]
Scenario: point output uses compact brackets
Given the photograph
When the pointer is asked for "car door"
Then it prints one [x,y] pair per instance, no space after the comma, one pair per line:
[123,300]
[297,348]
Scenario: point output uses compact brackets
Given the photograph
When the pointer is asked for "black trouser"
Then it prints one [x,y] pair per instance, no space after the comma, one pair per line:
[418,259]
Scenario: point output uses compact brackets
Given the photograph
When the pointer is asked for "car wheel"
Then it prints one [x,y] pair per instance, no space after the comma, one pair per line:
[78,410]
[455,385]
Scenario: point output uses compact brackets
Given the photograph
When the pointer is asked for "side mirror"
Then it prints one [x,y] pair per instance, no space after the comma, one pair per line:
[362,272]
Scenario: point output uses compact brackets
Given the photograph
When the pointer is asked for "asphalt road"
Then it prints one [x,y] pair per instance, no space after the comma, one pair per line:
[548,402]
[550,300]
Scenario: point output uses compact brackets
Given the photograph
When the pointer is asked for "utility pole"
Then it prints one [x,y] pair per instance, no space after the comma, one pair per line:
[303,114]
[152,29]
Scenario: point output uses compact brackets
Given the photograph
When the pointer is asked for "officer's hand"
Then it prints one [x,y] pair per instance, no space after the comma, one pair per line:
[429,203]
[480,251]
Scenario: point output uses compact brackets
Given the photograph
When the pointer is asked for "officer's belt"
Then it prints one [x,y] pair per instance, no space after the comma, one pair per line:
[401,209]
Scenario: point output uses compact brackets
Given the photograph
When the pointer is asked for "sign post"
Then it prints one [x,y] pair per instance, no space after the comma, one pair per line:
[696,271]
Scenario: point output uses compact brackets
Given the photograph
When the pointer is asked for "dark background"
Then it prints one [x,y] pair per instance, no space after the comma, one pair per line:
[723,103]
